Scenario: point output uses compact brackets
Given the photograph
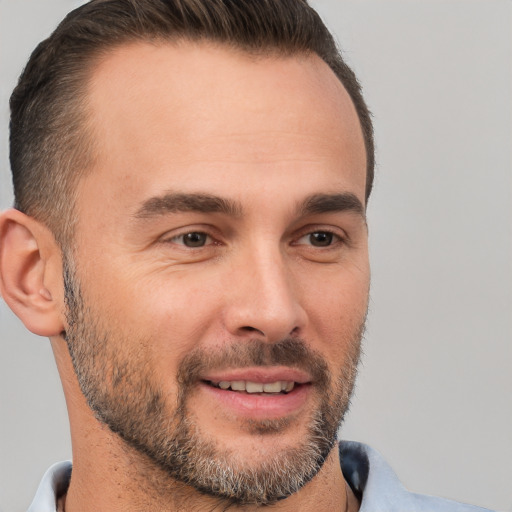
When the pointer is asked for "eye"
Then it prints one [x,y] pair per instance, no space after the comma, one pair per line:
[319,239]
[192,239]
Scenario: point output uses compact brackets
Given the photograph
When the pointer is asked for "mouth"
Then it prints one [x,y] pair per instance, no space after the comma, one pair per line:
[258,392]
[278,387]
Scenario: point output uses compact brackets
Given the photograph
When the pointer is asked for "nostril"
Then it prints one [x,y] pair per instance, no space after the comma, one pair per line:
[248,328]
[253,330]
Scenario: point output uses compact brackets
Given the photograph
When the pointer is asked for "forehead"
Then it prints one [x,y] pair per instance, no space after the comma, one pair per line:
[167,111]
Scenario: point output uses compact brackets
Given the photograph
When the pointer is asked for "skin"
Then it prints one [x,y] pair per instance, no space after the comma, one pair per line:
[263,133]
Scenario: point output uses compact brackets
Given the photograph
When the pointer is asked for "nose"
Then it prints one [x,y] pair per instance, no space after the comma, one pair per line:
[262,300]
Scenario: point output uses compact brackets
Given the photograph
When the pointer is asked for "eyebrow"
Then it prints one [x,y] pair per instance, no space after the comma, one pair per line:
[326,203]
[177,203]
[206,203]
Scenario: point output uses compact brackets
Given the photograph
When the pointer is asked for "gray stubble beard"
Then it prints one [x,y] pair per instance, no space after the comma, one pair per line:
[124,398]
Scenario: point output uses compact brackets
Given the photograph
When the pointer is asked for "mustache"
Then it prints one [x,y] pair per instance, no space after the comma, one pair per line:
[290,352]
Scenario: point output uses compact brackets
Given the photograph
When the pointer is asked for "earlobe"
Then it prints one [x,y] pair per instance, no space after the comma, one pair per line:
[28,284]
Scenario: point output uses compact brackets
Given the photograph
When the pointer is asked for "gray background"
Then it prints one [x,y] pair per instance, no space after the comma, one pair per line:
[434,392]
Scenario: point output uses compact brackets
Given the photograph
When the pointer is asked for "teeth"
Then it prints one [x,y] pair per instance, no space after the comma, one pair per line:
[257,387]
[272,387]
[254,387]
[238,385]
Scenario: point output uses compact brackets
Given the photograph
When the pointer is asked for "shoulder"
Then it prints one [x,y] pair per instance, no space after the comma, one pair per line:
[379,489]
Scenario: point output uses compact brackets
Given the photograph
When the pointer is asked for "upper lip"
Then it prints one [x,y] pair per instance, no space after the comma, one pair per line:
[263,374]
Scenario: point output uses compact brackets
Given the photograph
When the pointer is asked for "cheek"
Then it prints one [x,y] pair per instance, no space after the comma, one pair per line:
[178,316]
[337,305]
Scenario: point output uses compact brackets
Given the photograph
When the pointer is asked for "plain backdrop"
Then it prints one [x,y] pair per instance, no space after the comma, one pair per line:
[434,391]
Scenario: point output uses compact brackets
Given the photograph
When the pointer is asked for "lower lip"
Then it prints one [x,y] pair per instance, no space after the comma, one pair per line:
[257,406]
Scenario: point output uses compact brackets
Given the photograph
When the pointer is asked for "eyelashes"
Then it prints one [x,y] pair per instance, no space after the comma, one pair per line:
[311,238]
[320,238]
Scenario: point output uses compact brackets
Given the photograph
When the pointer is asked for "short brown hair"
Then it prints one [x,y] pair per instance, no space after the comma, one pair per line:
[50,142]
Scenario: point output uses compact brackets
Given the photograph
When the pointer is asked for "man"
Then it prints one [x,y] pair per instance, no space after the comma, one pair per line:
[191,182]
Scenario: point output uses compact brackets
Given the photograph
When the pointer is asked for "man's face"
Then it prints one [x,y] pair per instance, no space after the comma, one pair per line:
[219,283]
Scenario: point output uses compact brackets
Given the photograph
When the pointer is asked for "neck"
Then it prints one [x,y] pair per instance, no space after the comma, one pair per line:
[129,482]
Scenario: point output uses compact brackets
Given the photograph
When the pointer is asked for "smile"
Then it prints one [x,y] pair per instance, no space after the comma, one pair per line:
[273,388]
[258,393]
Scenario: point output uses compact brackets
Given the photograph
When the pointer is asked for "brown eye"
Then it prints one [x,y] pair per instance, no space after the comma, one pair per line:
[321,238]
[195,239]
[192,239]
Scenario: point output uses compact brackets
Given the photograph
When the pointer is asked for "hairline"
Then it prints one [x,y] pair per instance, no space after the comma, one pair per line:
[87,139]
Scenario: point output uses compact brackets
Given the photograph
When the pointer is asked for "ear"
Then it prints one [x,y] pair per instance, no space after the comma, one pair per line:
[31,273]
